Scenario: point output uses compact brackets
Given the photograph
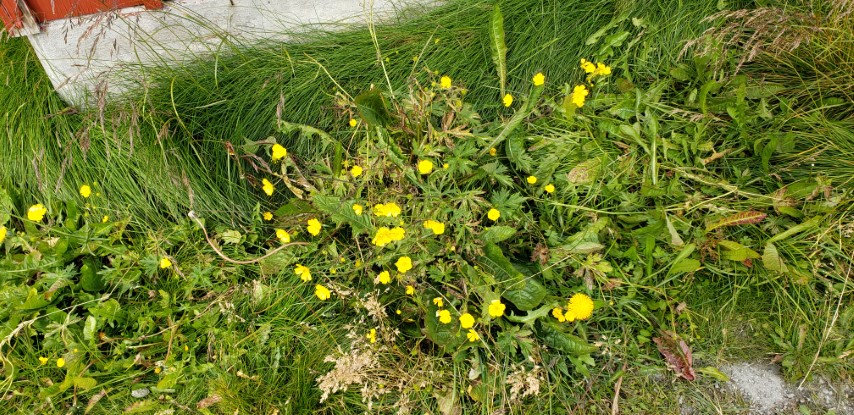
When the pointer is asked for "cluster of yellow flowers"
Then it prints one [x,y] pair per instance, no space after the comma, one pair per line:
[579,307]
[438,228]
[467,320]
[390,209]
[385,236]
[580,92]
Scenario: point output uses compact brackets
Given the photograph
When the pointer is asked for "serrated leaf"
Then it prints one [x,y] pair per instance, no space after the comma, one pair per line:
[741,218]
[498,45]
[372,108]
[342,213]
[496,234]
[231,237]
[515,150]
[772,261]
[553,336]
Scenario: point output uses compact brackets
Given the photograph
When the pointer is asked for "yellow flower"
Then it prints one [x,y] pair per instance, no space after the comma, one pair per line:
[439,302]
[384,278]
[588,67]
[267,215]
[444,316]
[2,233]
[353,122]
[602,69]
[389,209]
[580,307]
[165,263]
[550,188]
[43,360]
[557,312]
[267,187]
[445,82]
[496,308]
[493,151]
[283,236]
[105,219]
[472,336]
[539,79]
[579,94]
[493,214]
[322,292]
[438,228]
[403,264]
[425,166]
[303,272]
[445,166]
[36,212]
[314,226]
[85,191]
[356,171]
[508,100]
[385,236]
[279,152]
[357,208]
[410,290]
[60,362]
[466,321]
[372,336]
[532,179]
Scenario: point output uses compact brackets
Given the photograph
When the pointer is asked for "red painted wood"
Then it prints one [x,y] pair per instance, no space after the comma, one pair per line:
[45,10]
[10,14]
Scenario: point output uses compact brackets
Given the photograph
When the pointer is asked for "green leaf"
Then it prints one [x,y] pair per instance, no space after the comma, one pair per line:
[771,259]
[6,207]
[737,252]
[441,334]
[809,224]
[231,237]
[496,263]
[342,213]
[295,207]
[714,373]
[684,266]
[741,218]
[90,279]
[554,336]
[498,45]
[85,383]
[372,108]
[496,234]
[89,328]
[34,301]
[526,294]
[515,150]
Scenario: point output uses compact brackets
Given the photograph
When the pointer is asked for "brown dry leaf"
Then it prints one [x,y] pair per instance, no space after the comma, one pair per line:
[210,400]
[676,353]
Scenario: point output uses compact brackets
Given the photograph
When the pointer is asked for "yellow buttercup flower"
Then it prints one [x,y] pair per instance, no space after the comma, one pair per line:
[303,272]
[410,290]
[580,307]
[466,321]
[36,212]
[3,232]
[390,209]
[385,236]
[588,67]
[472,336]
[353,122]
[314,226]
[549,188]
[267,216]
[507,100]
[439,302]
[539,79]
[356,171]
[384,278]
[267,187]
[602,69]
[43,360]
[279,152]
[444,316]
[165,263]
[425,166]
[438,228]
[403,264]
[493,151]
[445,82]
[579,94]
[493,214]
[283,236]
[372,336]
[60,362]
[357,208]
[496,308]
[445,166]
[322,292]
[105,219]
[532,179]
[85,191]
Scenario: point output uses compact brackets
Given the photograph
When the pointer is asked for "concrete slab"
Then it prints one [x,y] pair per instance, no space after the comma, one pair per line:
[80,54]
